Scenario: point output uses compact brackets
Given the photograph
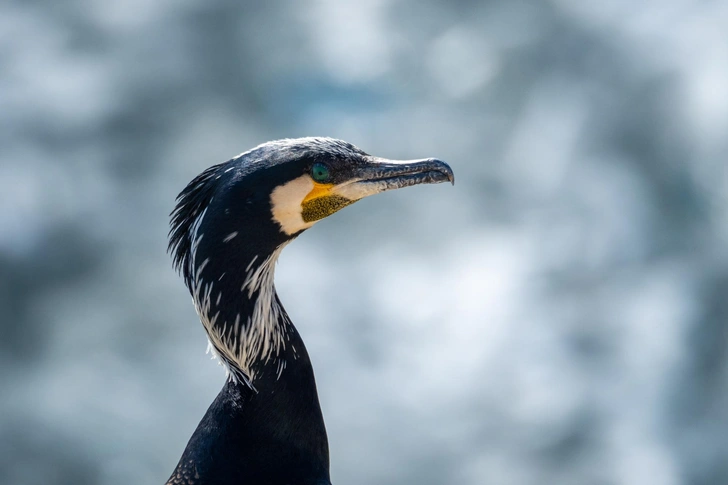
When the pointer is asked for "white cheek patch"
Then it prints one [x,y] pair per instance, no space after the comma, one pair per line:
[286,203]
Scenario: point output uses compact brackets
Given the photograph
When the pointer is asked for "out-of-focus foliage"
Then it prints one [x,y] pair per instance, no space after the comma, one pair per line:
[559,316]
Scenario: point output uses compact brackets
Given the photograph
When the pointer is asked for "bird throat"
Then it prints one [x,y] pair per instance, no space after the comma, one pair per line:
[321,207]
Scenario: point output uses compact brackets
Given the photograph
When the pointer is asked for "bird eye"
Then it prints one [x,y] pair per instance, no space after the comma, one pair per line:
[320,172]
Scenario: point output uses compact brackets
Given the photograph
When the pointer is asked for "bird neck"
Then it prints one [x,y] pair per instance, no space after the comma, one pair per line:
[233,291]
[265,426]
[274,434]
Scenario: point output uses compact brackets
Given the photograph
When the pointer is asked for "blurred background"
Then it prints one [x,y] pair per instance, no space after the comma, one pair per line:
[559,316]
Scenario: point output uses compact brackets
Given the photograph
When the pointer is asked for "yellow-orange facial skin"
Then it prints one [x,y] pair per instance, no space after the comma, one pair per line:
[319,190]
[298,204]
[321,202]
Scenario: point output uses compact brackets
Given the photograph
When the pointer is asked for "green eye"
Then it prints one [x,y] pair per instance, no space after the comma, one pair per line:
[320,172]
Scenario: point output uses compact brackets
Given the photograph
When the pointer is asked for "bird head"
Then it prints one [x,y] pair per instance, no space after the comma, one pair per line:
[232,221]
[272,193]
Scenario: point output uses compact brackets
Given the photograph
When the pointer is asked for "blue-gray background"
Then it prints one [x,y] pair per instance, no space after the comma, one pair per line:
[559,316]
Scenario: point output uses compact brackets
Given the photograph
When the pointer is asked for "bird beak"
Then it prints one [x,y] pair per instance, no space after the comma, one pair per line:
[379,175]
[373,176]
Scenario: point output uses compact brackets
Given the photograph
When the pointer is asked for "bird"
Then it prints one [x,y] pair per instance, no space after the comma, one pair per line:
[228,228]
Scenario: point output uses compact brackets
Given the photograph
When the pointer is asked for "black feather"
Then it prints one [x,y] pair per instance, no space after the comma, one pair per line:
[191,202]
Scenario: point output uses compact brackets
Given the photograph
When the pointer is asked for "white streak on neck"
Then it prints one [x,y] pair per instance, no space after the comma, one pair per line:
[250,264]
[230,236]
[201,293]
[263,334]
[262,337]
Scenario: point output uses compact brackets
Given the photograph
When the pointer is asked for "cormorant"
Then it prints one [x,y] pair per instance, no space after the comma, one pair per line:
[227,230]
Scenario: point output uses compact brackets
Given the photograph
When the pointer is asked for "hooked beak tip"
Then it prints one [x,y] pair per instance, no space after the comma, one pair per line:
[444,168]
